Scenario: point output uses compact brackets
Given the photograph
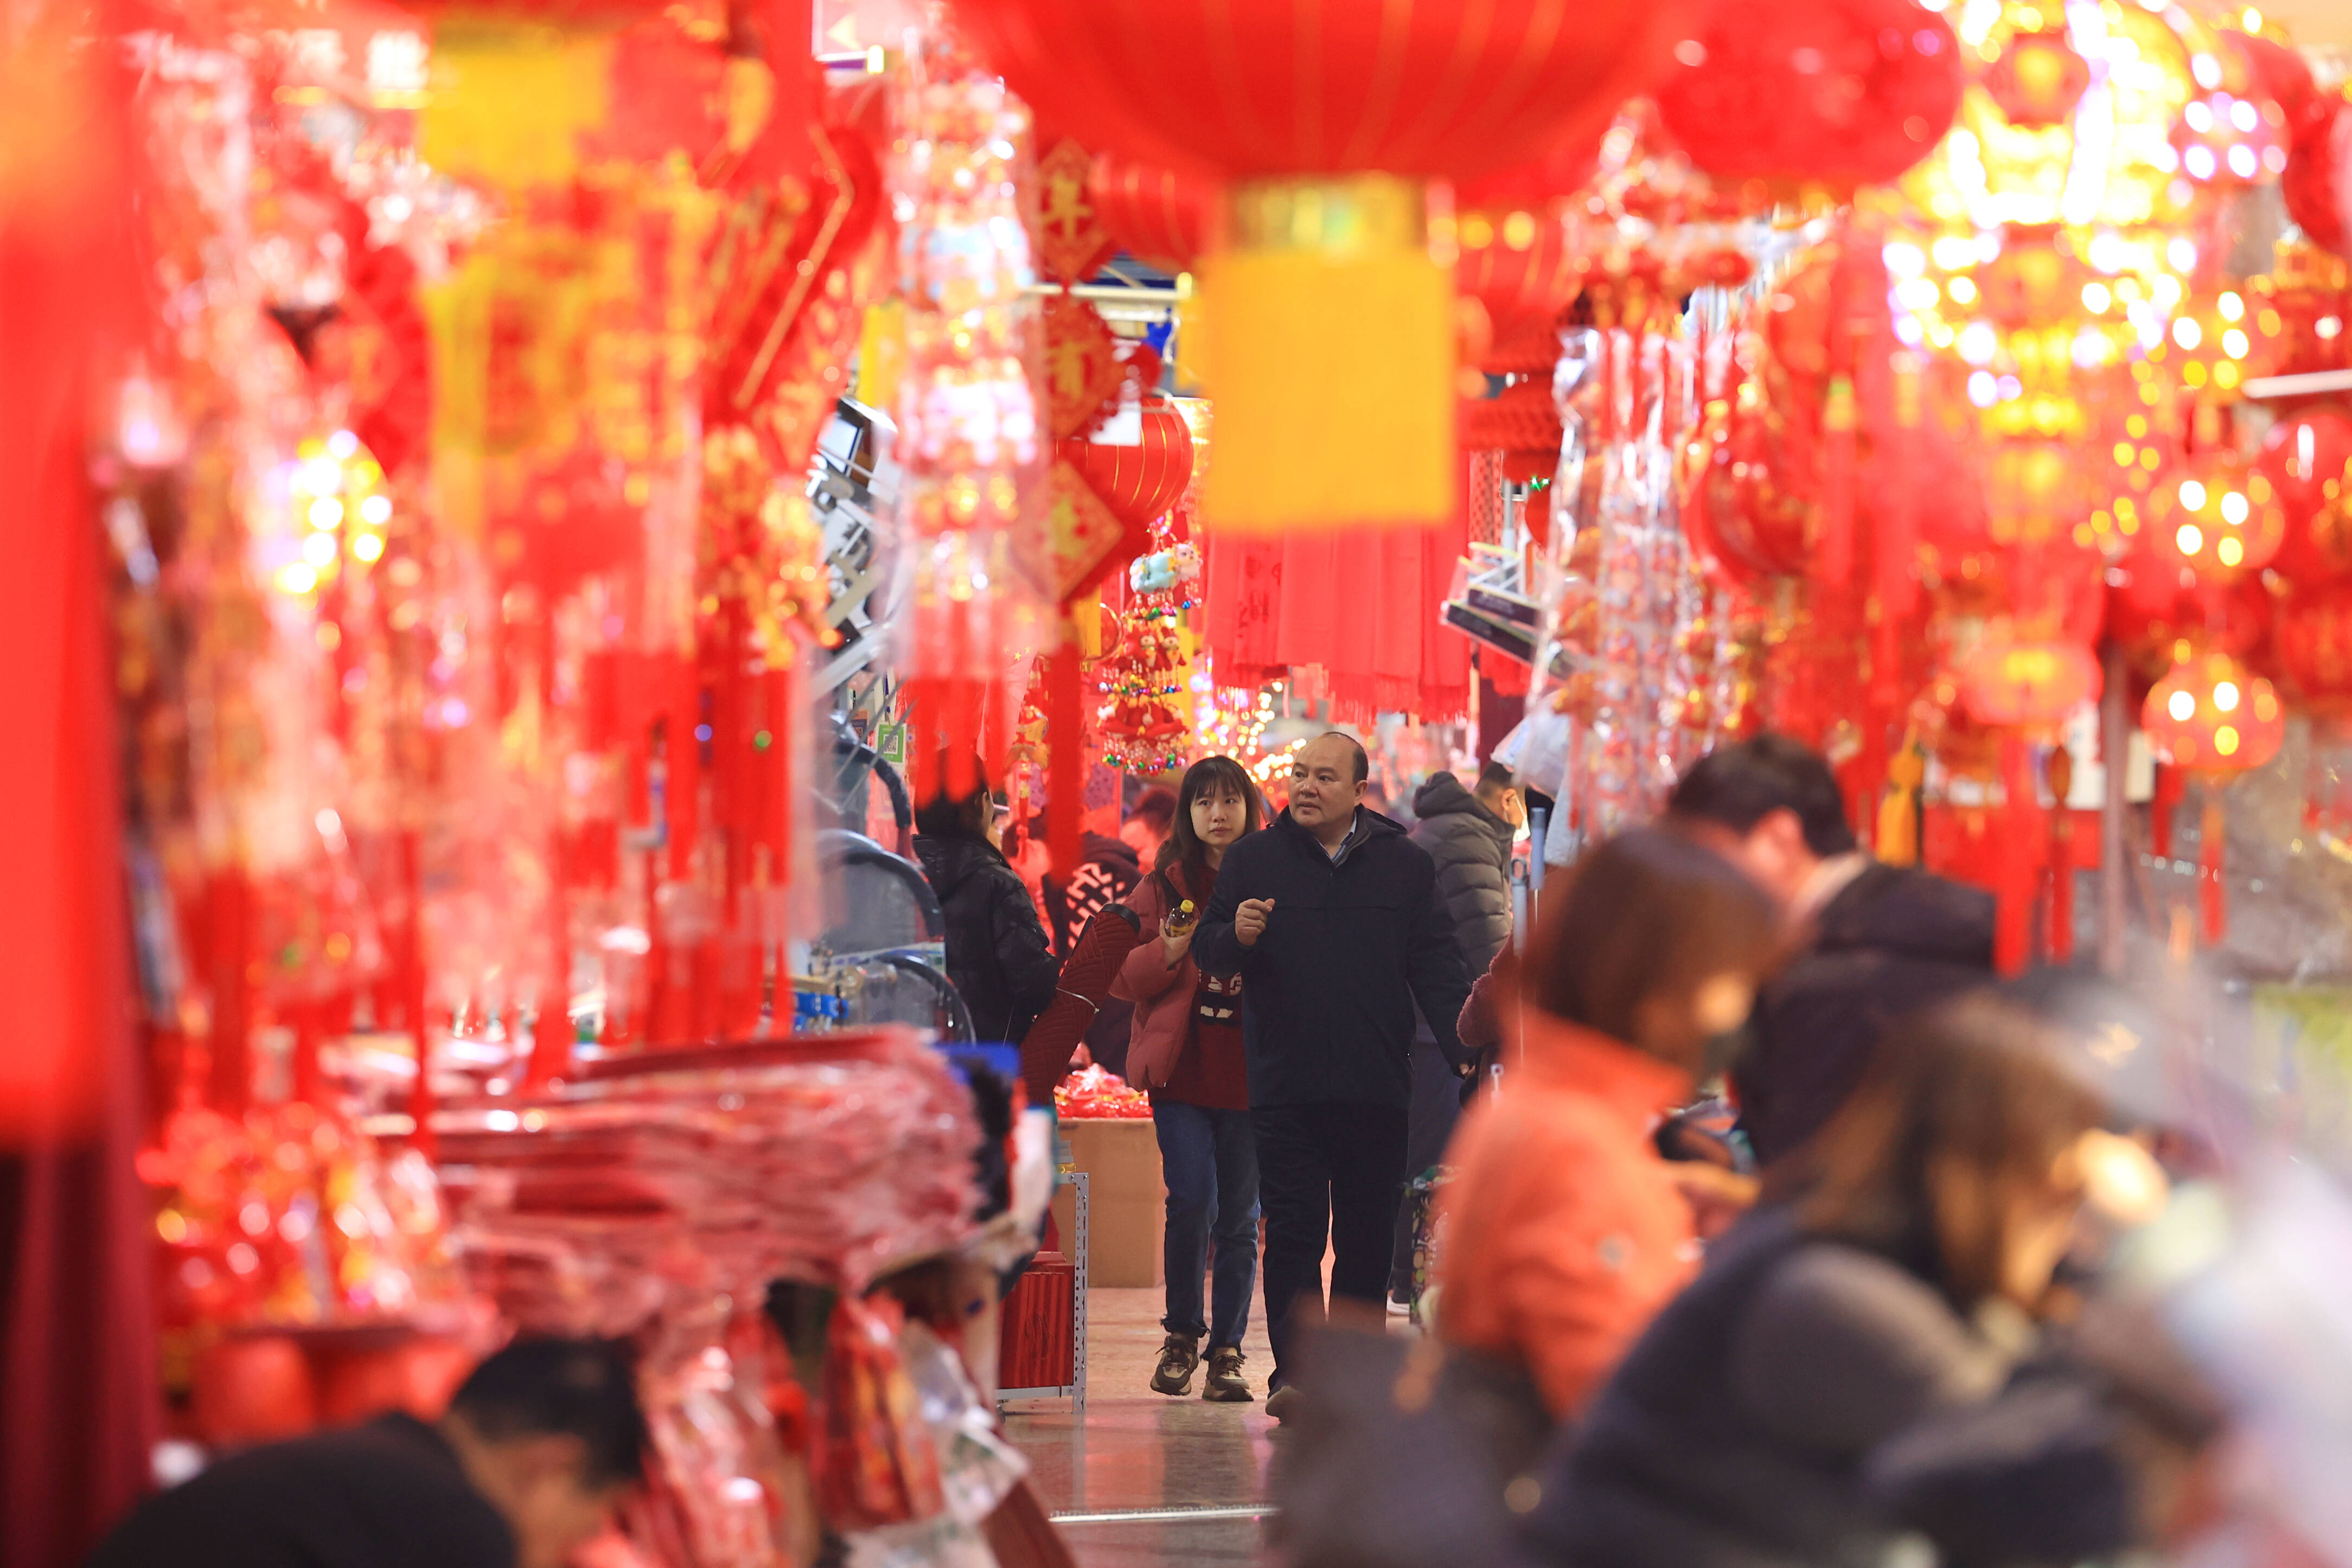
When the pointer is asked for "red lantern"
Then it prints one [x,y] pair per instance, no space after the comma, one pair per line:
[2221,519]
[2312,641]
[2027,683]
[1139,482]
[2317,197]
[1328,117]
[2038,79]
[2210,713]
[1155,213]
[1515,262]
[2307,458]
[1839,93]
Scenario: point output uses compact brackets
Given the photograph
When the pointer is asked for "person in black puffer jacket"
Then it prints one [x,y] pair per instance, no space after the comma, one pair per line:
[1469,835]
[998,958]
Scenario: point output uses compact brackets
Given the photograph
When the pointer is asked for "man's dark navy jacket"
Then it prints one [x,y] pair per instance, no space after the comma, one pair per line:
[1350,944]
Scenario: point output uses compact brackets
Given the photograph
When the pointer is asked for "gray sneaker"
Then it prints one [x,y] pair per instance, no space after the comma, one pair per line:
[1179,1354]
[1282,1401]
[1225,1383]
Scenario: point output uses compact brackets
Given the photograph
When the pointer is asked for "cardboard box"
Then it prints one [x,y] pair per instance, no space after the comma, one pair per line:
[1126,1203]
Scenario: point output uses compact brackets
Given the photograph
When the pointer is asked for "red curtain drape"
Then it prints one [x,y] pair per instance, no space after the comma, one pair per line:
[78,1403]
[1362,604]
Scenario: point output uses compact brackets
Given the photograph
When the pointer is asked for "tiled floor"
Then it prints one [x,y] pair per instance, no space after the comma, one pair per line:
[1136,1451]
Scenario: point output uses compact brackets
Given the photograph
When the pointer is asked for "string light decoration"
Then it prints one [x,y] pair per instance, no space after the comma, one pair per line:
[335,489]
[1228,721]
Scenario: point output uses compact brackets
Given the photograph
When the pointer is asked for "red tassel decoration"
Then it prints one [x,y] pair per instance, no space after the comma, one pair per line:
[2213,894]
[1066,749]
[2171,785]
[420,1092]
[2060,771]
[2012,940]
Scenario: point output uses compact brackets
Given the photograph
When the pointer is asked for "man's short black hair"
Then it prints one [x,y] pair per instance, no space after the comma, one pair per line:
[583,1388]
[1363,763]
[1156,806]
[1494,776]
[1741,784]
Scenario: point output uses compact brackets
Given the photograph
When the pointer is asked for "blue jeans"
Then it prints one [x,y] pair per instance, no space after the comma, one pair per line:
[1208,1160]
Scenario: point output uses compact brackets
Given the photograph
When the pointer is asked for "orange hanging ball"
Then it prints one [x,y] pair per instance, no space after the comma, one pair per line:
[2221,516]
[2210,713]
[2027,682]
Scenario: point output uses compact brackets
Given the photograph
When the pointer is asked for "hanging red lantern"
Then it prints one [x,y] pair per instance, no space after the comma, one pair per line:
[1831,93]
[2235,133]
[2027,683]
[1156,213]
[2222,517]
[2158,623]
[2307,458]
[2312,641]
[1142,482]
[2318,197]
[2210,713]
[1328,118]
[2038,79]
[2211,716]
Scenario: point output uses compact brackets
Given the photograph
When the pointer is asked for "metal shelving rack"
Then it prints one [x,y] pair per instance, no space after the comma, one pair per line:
[1075,1389]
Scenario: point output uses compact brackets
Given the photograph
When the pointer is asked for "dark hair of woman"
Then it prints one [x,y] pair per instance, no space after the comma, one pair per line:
[1960,1125]
[946,815]
[1646,914]
[1210,776]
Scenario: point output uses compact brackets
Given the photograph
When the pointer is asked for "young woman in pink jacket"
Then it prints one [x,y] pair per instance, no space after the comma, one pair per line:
[1187,1051]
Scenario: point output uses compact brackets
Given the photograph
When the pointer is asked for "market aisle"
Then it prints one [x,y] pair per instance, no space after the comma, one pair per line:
[1138,1450]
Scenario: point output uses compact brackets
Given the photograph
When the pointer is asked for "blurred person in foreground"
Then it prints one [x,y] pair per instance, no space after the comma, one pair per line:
[1468,834]
[538,1445]
[1565,1231]
[1332,919]
[1868,1361]
[1187,1051]
[1877,941]
[998,958]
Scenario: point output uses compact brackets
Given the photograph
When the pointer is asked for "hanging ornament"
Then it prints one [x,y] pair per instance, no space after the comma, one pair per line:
[2027,683]
[2210,713]
[2038,79]
[2307,458]
[2222,518]
[1072,243]
[1329,119]
[1826,94]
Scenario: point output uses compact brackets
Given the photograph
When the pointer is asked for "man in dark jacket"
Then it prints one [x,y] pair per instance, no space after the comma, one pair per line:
[1469,835]
[538,1445]
[1332,918]
[998,958]
[1881,941]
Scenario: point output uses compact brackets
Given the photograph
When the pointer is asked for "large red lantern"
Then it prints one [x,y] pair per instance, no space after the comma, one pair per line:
[1837,93]
[2210,713]
[1327,323]
[2307,458]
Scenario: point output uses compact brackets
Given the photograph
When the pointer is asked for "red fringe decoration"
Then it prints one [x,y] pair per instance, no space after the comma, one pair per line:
[2213,894]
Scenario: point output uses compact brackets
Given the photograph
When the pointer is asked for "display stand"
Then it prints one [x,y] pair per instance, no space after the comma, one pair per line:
[1075,1389]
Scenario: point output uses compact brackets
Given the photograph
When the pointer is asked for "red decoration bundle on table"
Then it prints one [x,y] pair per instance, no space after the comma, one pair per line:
[1097,1094]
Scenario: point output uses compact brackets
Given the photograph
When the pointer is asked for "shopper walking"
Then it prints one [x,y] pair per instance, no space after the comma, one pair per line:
[1800,1403]
[538,1445]
[1187,1050]
[998,958]
[1565,1231]
[1332,921]
[1468,834]
[1879,941]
